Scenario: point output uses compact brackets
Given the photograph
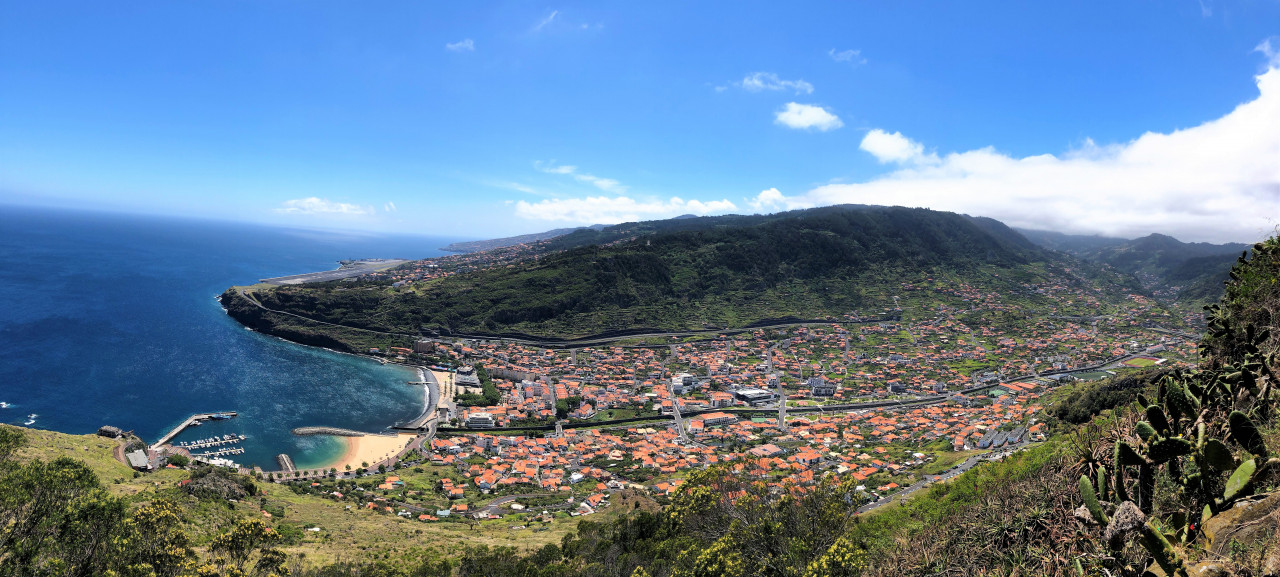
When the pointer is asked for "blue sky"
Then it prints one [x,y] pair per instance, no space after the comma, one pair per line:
[487,119]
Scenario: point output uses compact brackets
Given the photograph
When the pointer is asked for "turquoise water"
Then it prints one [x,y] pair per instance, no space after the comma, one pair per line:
[111,320]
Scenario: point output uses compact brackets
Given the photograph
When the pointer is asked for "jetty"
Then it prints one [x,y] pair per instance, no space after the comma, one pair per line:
[230,439]
[286,464]
[193,419]
[328,431]
[220,452]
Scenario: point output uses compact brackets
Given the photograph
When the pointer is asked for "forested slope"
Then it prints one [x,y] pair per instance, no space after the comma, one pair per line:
[685,273]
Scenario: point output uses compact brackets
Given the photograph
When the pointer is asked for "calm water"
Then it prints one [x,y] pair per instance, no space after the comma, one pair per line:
[111,320]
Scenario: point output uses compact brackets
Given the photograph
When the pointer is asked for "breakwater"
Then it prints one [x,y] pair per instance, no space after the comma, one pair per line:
[328,431]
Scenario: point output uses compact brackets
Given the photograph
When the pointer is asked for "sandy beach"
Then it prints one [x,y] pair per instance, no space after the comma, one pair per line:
[370,449]
[446,385]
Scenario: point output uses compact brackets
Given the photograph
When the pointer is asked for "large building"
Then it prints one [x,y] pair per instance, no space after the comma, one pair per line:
[138,460]
[479,421]
[466,377]
[755,397]
[820,387]
[683,383]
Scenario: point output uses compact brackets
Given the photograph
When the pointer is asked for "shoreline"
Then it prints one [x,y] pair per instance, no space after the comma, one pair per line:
[371,449]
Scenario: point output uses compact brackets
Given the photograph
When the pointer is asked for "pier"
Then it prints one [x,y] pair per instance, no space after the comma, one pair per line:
[327,431]
[286,464]
[213,442]
[198,417]
[219,453]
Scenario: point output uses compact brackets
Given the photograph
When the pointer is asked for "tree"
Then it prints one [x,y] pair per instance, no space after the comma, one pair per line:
[251,543]
[10,439]
[179,460]
[54,517]
[151,543]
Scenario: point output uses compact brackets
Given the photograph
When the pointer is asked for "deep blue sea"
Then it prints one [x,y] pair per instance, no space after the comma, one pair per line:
[109,319]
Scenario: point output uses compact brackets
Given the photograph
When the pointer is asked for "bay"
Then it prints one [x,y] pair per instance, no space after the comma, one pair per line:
[110,319]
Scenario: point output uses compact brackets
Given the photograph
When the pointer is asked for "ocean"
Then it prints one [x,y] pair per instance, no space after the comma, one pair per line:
[109,319]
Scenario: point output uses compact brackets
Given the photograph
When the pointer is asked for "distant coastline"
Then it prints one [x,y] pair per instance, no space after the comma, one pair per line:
[490,244]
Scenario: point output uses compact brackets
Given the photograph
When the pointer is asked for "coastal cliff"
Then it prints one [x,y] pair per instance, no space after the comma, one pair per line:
[298,330]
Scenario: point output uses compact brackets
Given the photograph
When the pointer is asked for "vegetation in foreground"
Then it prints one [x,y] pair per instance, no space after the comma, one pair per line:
[1180,480]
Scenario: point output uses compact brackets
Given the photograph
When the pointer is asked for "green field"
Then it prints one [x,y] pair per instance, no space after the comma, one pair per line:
[1142,362]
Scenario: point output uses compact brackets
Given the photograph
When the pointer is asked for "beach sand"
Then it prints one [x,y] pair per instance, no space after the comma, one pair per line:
[370,449]
[446,385]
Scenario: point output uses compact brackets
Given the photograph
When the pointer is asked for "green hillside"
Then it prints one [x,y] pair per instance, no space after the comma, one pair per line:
[676,274]
[1190,271]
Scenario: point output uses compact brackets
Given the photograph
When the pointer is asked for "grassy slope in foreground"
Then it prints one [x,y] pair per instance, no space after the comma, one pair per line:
[717,271]
[345,533]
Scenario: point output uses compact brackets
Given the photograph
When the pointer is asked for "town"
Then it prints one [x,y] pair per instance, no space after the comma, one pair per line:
[528,429]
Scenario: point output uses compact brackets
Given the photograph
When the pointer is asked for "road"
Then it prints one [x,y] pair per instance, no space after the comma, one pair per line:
[345,271]
[949,474]
[495,507]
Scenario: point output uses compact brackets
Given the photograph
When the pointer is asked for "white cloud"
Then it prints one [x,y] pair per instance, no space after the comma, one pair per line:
[1218,181]
[390,207]
[616,209]
[853,57]
[771,200]
[466,45]
[519,187]
[551,168]
[1271,49]
[320,206]
[807,117]
[894,147]
[545,21]
[758,81]
[605,184]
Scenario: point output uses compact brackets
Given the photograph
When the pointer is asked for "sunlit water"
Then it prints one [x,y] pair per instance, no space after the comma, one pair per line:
[111,320]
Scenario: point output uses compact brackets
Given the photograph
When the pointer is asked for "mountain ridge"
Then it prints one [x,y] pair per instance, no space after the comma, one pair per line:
[680,274]
[1190,271]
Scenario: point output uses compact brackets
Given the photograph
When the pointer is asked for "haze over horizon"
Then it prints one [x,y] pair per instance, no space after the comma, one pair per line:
[1095,118]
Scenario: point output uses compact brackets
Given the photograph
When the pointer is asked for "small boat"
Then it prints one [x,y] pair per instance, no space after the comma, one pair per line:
[31,419]
[196,423]
[4,405]
[220,416]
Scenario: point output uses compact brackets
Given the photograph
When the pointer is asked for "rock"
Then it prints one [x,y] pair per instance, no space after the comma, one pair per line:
[1247,522]
[1082,513]
[1271,565]
[1206,569]
[1127,518]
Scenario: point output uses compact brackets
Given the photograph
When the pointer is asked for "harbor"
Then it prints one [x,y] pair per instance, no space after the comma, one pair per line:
[219,453]
[192,421]
[211,442]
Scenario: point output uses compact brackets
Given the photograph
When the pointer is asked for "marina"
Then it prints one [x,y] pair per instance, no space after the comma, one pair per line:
[219,453]
[211,442]
[192,421]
